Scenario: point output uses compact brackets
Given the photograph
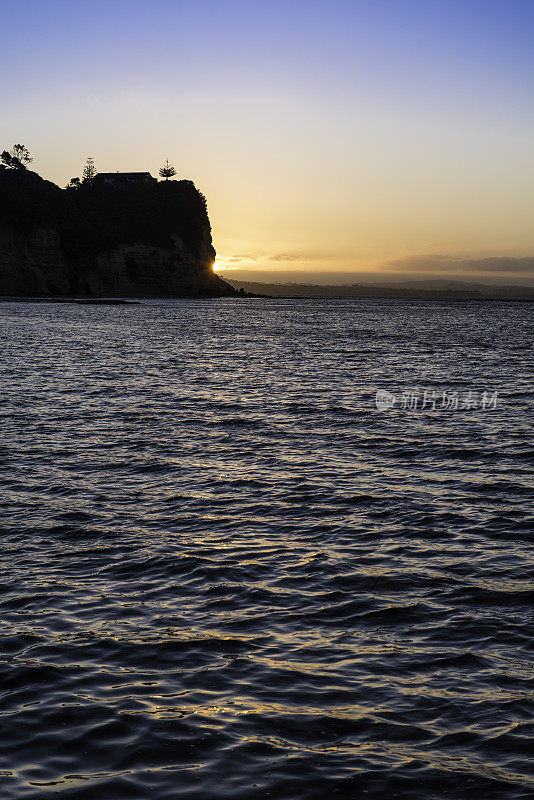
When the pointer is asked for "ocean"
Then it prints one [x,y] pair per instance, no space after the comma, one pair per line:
[231,569]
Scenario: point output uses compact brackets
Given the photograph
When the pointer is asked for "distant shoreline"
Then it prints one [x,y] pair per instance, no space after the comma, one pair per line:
[83,301]
[251,296]
[294,290]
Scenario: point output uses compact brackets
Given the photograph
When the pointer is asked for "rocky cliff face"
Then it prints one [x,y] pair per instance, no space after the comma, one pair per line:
[142,241]
[32,264]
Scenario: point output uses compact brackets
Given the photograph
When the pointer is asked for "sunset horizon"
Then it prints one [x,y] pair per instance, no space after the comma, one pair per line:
[266,373]
[347,138]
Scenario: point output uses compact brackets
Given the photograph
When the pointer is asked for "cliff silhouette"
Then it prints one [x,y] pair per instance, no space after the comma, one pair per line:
[105,240]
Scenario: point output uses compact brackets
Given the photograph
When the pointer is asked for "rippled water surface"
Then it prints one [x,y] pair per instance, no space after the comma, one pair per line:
[226,574]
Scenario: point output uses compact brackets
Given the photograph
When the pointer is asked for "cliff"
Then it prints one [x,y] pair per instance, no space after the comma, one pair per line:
[137,240]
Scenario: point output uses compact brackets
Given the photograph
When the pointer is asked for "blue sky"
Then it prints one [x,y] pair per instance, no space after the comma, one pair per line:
[343,135]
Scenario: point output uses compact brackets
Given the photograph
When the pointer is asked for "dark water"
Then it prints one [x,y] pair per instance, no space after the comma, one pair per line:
[226,574]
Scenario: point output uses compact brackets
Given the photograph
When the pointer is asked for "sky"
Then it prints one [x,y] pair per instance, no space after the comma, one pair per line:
[364,139]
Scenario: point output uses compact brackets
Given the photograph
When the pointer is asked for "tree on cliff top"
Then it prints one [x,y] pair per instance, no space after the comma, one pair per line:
[89,171]
[167,171]
[17,157]
[21,153]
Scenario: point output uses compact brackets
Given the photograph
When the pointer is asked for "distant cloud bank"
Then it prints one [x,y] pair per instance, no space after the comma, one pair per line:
[503,266]
[330,268]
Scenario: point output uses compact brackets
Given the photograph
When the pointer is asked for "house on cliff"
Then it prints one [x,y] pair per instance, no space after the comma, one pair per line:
[123,178]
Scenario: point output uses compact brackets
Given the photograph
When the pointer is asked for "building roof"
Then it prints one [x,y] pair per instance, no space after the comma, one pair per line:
[124,176]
